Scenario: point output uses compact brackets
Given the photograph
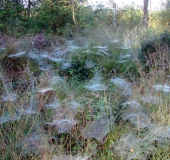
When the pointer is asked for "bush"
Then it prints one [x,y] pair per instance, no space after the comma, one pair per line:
[155,52]
[76,71]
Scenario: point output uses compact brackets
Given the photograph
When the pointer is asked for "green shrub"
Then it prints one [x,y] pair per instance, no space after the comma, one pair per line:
[155,51]
[76,71]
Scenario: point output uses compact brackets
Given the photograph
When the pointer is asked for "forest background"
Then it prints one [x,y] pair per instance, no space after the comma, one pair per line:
[65,18]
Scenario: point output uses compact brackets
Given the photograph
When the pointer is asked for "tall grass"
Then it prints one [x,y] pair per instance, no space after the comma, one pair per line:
[31,130]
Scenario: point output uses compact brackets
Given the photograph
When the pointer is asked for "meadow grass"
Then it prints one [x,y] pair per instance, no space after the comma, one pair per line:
[26,124]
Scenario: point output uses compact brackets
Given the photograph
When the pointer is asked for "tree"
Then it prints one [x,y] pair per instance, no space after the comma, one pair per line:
[10,11]
[29,8]
[145,13]
[73,12]
[164,15]
[74,4]
[114,12]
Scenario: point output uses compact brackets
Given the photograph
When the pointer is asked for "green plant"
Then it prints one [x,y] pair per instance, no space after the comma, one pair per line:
[77,71]
[154,53]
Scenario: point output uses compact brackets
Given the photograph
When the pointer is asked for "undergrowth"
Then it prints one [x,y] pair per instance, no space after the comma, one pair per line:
[28,127]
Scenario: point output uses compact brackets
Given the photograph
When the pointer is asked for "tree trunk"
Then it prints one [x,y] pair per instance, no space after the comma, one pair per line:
[29,8]
[114,15]
[145,13]
[114,12]
[73,12]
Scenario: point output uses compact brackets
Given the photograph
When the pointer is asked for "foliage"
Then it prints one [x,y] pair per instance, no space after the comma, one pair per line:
[164,15]
[46,15]
[76,71]
[40,95]
[129,16]
[88,18]
[128,69]
[9,15]
[55,14]
[155,53]
[18,18]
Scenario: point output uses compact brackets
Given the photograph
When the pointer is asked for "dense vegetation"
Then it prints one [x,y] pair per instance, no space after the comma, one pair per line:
[67,18]
[73,86]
